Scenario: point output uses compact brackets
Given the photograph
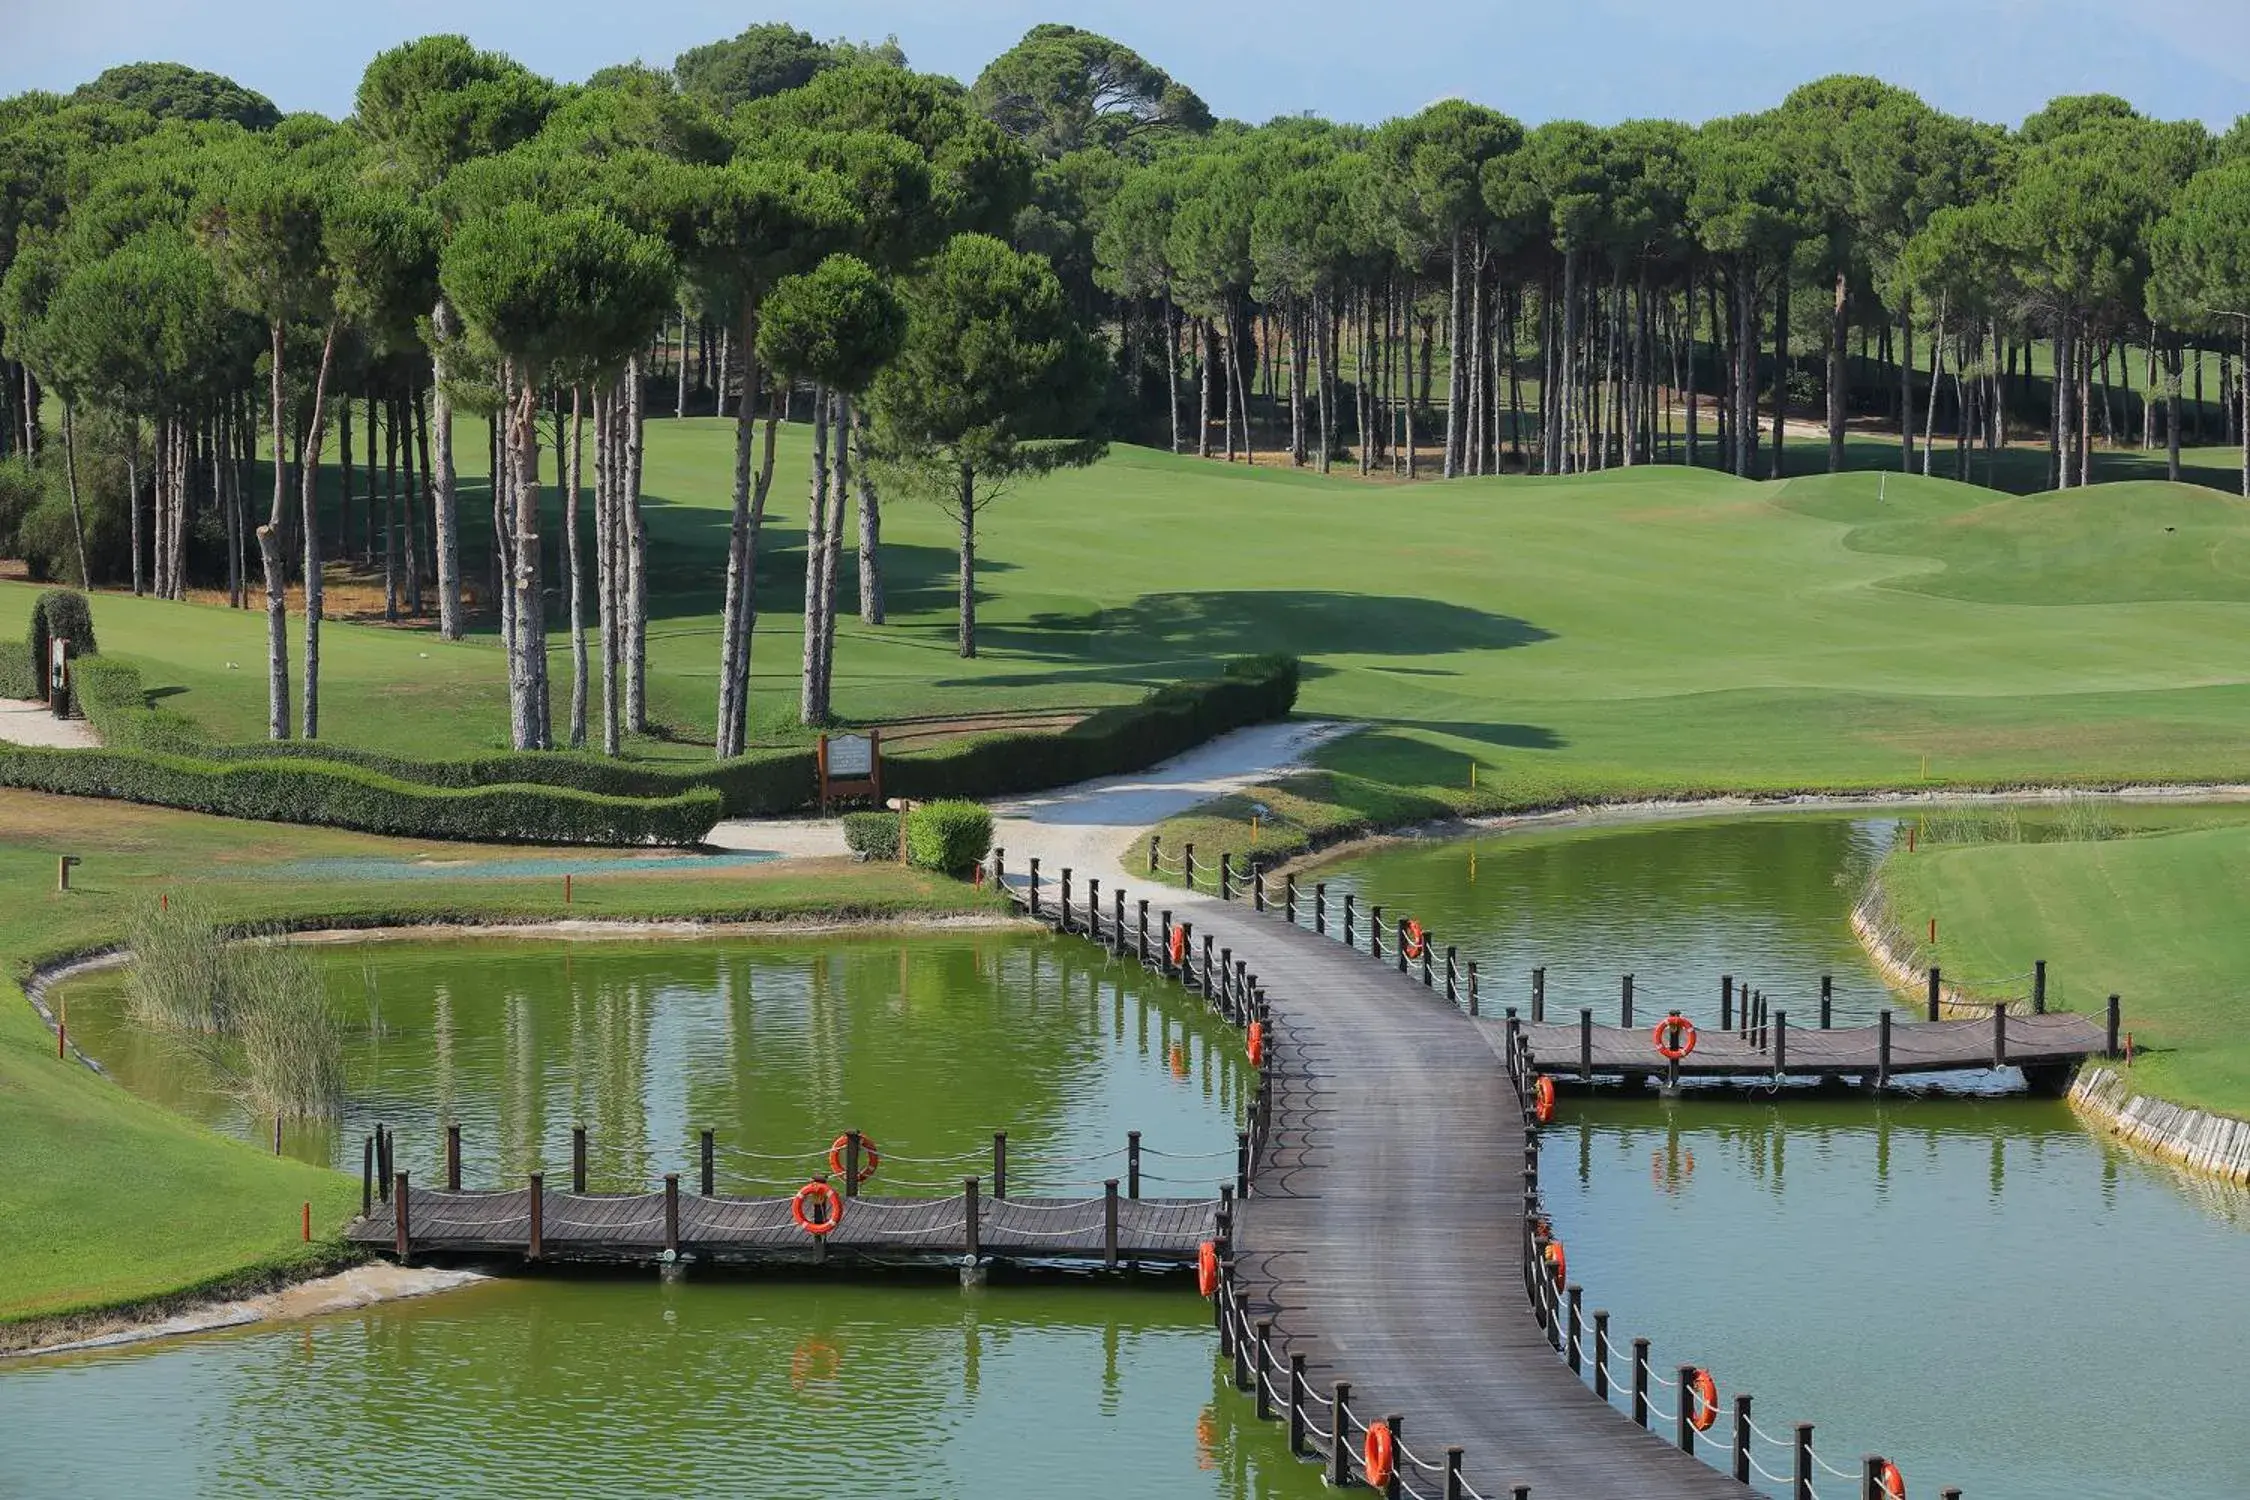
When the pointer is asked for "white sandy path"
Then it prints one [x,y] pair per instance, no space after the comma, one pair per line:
[1087,826]
[24,723]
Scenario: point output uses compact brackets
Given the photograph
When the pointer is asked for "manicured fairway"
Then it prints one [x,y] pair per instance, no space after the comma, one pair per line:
[1654,630]
[106,1199]
[2156,919]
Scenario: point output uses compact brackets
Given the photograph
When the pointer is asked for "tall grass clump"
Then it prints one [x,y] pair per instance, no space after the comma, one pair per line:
[256,1013]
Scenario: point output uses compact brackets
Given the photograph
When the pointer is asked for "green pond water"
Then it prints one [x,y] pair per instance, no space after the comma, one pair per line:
[1965,1281]
[1962,1279]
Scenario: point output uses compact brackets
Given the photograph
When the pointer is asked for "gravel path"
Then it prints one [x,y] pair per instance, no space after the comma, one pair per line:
[30,724]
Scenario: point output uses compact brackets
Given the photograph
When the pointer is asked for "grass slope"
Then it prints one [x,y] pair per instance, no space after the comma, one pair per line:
[2156,919]
[106,1200]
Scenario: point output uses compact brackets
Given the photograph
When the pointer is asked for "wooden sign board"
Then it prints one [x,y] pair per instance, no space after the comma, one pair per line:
[851,765]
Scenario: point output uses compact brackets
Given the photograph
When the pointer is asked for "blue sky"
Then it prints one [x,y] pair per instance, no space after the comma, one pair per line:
[1599,60]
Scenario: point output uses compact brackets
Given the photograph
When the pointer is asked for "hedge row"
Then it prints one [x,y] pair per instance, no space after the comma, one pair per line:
[111,697]
[18,678]
[1174,718]
[340,796]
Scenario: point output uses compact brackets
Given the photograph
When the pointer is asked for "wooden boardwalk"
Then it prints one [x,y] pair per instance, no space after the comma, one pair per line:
[1875,1054]
[651,1227]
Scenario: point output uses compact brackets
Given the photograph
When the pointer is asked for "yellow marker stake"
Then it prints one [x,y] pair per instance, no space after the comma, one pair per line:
[1472,775]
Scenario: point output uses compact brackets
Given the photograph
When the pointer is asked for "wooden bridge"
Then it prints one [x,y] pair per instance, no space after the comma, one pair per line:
[1363,1283]
[2051,1044]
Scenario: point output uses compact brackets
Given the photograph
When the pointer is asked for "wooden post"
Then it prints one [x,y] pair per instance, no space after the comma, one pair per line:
[1640,1382]
[1625,1004]
[2000,1033]
[1391,1490]
[1400,937]
[999,868]
[1601,1352]
[1187,865]
[1349,916]
[1741,1439]
[1264,1329]
[1289,899]
[1207,943]
[1883,1049]
[367,1176]
[1780,1043]
[1153,841]
[578,1159]
[969,1218]
[1339,1435]
[63,862]
[1031,891]
[1453,1481]
[1686,1424]
[1577,1328]
[1164,963]
[1117,921]
[2039,986]
[1226,876]
[2115,1015]
[1452,968]
[999,1165]
[1296,1405]
[851,1164]
[1242,1163]
[452,1157]
[277,1135]
[1871,1477]
[706,1154]
[1472,986]
[1133,1163]
[1143,952]
[536,1245]
[1320,907]
[1109,1224]
[1257,887]
[1586,1045]
[1093,908]
[1427,945]
[1065,889]
[672,1212]
[1239,1304]
[1539,996]
[1800,1482]
[1827,997]
[1935,982]
[1375,932]
[1726,1002]
[405,1236]
[383,1162]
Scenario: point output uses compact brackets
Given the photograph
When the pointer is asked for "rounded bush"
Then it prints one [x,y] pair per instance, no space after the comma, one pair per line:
[950,837]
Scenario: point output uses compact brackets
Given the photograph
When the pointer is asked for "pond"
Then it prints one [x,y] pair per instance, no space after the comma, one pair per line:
[1967,1282]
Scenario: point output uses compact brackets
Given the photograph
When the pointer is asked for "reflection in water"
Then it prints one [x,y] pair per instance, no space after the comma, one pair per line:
[928,1043]
[548,1387]
[1969,1283]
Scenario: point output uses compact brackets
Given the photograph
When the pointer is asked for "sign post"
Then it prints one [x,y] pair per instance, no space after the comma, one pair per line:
[851,765]
[58,677]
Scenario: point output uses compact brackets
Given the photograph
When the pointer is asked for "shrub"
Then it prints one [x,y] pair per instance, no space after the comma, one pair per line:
[342,796]
[111,697]
[17,679]
[872,835]
[951,837]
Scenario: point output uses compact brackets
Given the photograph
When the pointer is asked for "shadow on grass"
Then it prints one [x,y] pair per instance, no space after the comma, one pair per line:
[1306,622]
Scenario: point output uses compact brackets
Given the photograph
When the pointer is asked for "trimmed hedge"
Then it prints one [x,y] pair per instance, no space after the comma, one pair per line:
[60,613]
[340,796]
[111,697]
[949,837]
[872,835]
[1133,737]
[18,678]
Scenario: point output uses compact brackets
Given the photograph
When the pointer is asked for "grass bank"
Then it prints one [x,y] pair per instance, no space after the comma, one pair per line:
[2154,916]
[106,1200]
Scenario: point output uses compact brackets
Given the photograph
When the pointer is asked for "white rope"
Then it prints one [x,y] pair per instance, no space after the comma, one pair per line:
[1768,1475]
[1831,1468]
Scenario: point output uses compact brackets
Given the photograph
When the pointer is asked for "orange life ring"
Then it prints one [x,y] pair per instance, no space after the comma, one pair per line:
[1256,1045]
[1705,1411]
[1413,938]
[1378,1454]
[1675,1038]
[1179,1060]
[869,1157]
[1543,1099]
[1178,946]
[1892,1481]
[1207,1269]
[1559,1262]
[817,1191]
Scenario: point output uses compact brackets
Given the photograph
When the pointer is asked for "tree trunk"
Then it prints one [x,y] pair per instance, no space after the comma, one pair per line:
[2246,414]
[739,616]
[1839,385]
[816,539]
[679,398]
[1172,369]
[968,517]
[1906,383]
[309,483]
[2086,413]
[390,509]
[416,478]
[871,527]
[606,555]
[1453,368]
[77,514]
[269,553]
[528,677]
[1746,372]
[1780,372]
[1566,365]
[2172,415]
[447,510]
[1203,389]
[831,554]
[1323,346]
[572,479]
[636,553]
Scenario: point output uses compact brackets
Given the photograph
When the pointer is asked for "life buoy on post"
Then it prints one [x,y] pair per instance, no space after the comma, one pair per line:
[1543,1099]
[869,1157]
[819,1192]
[1704,1392]
[1558,1262]
[1207,1269]
[1675,1038]
[1177,947]
[1413,938]
[1378,1455]
[1892,1481]
[1256,1044]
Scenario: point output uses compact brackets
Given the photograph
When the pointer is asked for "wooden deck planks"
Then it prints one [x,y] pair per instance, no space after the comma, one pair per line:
[2053,1039]
[1382,1237]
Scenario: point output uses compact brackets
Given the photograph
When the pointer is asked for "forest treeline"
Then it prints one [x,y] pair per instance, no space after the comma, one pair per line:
[959,286]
